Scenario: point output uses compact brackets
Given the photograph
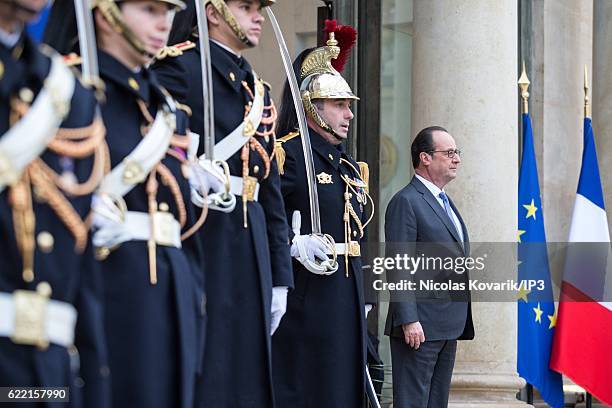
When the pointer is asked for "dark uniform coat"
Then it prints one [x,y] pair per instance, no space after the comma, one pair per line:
[241,264]
[155,331]
[72,275]
[319,349]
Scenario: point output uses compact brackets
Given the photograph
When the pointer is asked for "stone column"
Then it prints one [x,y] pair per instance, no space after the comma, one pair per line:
[602,93]
[566,47]
[464,78]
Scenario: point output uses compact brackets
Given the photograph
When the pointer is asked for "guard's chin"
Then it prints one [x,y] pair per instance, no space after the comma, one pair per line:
[253,41]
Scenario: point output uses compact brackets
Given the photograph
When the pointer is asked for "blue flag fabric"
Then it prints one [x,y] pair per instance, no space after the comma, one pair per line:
[536,316]
[36,28]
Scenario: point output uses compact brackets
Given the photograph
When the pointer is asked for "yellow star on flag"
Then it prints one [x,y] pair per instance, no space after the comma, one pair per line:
[520,232]
[538,313]
[531,209]
[522,293]
[553,320]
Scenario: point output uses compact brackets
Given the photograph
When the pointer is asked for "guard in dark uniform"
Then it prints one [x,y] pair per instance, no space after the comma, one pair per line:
[319,349]
[144,219]
[52,157]
[247,261]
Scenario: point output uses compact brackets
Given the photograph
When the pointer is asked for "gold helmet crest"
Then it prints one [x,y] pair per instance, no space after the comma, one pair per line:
[320,78]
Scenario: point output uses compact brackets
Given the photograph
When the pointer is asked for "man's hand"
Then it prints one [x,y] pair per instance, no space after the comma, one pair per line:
[413,334]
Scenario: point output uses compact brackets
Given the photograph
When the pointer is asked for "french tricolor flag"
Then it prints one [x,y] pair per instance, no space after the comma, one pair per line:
[582,344]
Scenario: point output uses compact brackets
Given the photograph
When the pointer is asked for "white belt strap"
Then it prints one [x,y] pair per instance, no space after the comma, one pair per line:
[352,249]
[137,227]
[134,168]
[237,184]
[29,137]
[59,321]
[233,142]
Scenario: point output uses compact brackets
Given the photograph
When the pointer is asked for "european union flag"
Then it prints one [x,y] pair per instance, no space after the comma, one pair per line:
[536,311]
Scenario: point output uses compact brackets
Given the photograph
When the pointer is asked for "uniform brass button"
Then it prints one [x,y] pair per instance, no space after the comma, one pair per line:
[255,169]
[164,207]
[330,156]
[354,233]
[232,76]
[44,289]
[45,241]
[133,84]
[26,95]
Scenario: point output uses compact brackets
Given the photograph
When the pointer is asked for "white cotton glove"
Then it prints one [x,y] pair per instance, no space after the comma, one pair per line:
[310,250]
[205,177]
[308,247]
[207,180]
[107,221]
[367,309]
[279,306]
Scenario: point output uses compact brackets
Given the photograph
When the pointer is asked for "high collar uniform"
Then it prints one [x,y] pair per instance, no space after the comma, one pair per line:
[241,264]
[156,330]
[319,348]
[71,273]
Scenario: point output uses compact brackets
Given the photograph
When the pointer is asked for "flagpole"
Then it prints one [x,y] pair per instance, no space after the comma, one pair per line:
[587,114]
[523,83]
[587,105]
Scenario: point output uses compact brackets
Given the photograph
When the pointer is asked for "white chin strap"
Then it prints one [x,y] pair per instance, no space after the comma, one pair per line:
[326,266]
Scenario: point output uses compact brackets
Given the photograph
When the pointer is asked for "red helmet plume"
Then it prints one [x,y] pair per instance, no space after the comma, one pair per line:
[346,37]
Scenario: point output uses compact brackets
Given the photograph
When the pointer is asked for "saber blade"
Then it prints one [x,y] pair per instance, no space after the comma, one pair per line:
[207,89]
[315,217]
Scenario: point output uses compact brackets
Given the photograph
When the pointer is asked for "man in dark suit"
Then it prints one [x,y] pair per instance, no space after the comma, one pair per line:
[424,325]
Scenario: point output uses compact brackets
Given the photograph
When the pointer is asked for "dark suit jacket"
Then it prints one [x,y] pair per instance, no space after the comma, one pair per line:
[415,222]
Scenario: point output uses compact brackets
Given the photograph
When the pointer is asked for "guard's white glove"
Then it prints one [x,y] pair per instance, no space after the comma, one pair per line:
[206,177]
[367,309]
[108,217]
[208,186]
[308,248]
[279,306]
[311,250]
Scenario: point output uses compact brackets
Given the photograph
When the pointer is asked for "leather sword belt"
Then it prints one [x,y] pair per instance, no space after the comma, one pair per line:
[137,227]
[353,249]
[237,187]
[32,318]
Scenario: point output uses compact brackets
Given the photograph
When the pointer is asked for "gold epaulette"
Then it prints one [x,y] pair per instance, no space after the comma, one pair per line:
[279,151]
[174,50]
[72,59]
[364,169]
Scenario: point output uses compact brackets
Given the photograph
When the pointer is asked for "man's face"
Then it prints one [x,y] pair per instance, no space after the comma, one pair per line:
[337,114]
[150,21]
[441,168]
[248,15]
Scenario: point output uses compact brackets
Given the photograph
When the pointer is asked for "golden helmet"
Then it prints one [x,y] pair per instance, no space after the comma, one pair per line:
[112,14]
[229,18]
[320,71]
